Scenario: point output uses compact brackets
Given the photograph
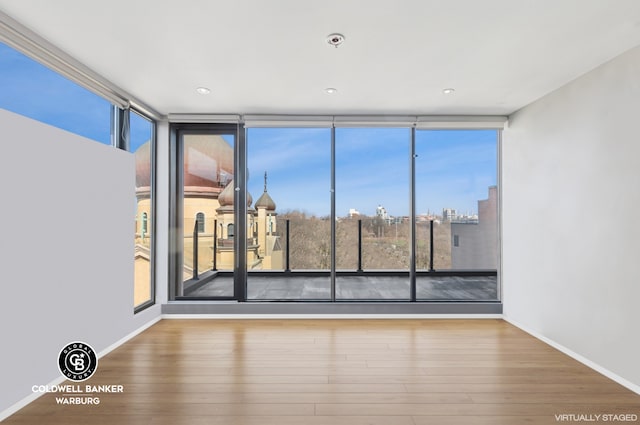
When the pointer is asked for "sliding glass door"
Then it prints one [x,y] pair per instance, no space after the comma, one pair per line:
[207,194]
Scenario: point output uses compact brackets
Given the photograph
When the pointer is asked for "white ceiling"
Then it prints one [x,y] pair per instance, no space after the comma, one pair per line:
[271,56]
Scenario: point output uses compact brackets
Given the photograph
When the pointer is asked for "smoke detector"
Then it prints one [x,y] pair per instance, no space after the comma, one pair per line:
[335,39]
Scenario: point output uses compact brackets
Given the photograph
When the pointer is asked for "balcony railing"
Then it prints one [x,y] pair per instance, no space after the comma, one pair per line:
[216,244]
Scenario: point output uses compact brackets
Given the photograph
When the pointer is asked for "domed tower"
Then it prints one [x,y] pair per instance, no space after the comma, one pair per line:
[225,212]
[227,229]
[269,244]
[208,169]
[264,201]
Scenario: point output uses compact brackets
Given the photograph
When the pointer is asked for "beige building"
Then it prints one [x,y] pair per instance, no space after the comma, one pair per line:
[208,210]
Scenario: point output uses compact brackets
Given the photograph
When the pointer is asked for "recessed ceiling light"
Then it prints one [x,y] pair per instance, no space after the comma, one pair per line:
[203,90]
[335,39]
[448,91]
[331,90]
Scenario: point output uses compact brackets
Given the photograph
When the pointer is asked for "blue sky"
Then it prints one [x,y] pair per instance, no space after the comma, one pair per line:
[32,90]
[298,163]
[453,168]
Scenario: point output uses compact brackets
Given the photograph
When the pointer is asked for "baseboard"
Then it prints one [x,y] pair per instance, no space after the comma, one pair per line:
[329,316]
[28,399]
[128,337]
[59,380]
[604,371]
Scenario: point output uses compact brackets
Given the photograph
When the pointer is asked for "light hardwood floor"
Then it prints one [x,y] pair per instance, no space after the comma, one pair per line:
[338,372]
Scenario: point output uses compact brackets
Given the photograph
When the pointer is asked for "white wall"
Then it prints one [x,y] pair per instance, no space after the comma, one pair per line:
[571,198]
[66,226]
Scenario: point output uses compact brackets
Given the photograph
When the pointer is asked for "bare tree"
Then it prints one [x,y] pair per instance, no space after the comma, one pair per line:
[384,245]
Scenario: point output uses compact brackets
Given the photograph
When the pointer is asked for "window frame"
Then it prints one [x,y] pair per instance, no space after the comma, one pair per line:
[122,132]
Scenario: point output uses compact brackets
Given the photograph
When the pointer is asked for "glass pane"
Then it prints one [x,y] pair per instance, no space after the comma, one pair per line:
[372,210]
[290,180]
[141,133]
[456,189]
[208,213]
[33,90]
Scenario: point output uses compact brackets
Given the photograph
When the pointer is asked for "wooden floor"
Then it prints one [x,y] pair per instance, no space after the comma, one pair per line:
[338,372]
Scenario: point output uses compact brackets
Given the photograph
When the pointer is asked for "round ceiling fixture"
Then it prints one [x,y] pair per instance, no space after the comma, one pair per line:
[335,39]
[203,90]
[448,91]
[331,90]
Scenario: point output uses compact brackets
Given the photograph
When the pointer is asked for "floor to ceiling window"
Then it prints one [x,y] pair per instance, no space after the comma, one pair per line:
[289,219]
[372,212]
[340,214]
[456,213]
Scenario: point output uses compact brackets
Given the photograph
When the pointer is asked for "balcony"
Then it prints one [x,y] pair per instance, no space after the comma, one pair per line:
[275,272]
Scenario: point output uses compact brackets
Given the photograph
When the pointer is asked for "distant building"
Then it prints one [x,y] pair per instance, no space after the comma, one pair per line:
[474,243]
[382,212]
[466,218]
[428,216]
[449,214]
[353,212]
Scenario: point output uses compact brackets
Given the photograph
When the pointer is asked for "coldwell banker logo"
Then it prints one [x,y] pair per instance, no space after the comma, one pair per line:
[77,361]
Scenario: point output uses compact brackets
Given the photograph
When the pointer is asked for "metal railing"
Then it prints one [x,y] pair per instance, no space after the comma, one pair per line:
[431,246]
[227,243]
[287,264]
[360,246]
[195,250]
[215,245]
[196,253]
